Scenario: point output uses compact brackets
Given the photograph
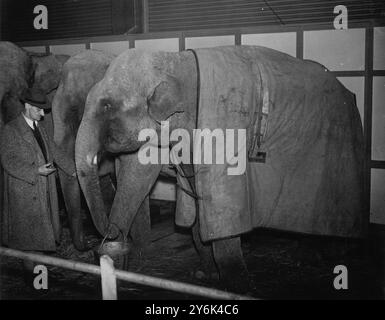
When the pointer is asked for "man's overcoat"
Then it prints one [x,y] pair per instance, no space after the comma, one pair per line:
[30,211]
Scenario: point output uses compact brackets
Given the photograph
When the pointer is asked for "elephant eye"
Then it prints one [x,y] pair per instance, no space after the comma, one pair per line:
[107,107]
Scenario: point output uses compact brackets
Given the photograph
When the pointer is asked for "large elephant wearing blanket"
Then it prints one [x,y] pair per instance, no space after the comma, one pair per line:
[298,159]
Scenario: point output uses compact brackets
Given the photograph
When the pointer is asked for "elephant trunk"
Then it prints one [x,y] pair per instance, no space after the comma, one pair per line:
[86,158]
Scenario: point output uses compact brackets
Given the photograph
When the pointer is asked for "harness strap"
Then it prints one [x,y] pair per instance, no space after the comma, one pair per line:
[198,85]
[256,154]
[179,168]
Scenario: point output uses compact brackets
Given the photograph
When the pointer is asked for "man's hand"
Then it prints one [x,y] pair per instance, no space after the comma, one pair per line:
[46,169]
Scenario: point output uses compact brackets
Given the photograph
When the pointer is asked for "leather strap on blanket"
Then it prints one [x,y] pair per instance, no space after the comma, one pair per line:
[198,85]
[182,180]
[256,153]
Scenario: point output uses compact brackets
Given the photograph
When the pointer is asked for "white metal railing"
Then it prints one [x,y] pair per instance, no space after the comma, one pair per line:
[109,275]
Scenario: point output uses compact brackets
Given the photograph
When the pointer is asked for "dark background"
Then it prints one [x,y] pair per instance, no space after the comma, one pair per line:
[87,18]
[70,18]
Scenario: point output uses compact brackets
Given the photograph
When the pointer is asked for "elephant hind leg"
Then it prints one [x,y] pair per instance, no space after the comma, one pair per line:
[206,256]
[231,264]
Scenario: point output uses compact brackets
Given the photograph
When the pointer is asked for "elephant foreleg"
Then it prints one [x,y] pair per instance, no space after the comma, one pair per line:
[231,264]
[141,226]
[131,200]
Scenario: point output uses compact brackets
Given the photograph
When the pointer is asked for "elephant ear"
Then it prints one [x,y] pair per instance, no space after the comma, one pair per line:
[165,100]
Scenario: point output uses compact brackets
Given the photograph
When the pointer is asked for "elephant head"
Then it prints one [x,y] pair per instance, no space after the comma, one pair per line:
[15,76]
[80,73]
[138,91]
[47,70]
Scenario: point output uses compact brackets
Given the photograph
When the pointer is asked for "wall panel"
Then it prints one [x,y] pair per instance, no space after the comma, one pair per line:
[209,42]
[379,48]
[285,42]
[70,49]
[170,45]
[356,85]
[378,125]
[338,50]
[38,49]
[114,47]
[377,196]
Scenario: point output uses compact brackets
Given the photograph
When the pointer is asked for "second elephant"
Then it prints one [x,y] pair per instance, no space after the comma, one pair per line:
[80,73]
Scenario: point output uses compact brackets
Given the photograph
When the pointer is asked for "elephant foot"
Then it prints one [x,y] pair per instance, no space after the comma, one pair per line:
[235,278]
[207,270]
[233,272]
[206,275]
[83,245]
[80,242]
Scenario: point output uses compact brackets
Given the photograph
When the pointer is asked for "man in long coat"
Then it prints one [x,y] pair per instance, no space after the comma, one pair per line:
[30,214]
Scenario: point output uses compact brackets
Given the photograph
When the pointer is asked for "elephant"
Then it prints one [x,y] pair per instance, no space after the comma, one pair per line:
[80,73]
[297,118]
[38,71]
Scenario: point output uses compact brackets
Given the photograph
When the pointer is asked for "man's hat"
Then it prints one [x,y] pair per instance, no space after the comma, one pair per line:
[36,98]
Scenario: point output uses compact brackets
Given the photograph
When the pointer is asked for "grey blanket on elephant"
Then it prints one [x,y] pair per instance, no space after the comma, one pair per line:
[312,177]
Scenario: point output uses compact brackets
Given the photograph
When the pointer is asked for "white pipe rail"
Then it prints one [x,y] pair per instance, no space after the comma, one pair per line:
[127,276]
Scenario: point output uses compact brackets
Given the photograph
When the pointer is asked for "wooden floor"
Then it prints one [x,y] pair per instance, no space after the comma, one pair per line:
[281,265]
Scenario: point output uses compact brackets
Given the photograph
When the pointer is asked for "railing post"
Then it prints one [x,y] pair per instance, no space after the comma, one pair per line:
[107,272]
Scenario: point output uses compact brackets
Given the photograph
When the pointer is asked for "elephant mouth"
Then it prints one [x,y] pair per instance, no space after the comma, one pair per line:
[93,160]
[115,146]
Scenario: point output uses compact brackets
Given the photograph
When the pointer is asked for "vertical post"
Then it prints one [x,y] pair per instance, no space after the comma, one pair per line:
[107,272]
[131,42]
[238,38]
[299,44]
[145,16]
[1,15]
[368,110]
[182,42]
